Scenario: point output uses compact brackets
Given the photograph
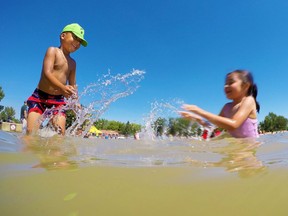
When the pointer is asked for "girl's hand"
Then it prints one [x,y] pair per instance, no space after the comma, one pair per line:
[191,108]
[190,116]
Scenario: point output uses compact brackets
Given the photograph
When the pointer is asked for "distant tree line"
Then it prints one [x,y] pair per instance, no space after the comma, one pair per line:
[273,122]
[162,126]
[176,127]
[125,129]
[7,113]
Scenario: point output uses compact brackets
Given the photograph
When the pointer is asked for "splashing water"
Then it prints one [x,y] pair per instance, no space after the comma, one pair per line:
[162,109]
[96,99]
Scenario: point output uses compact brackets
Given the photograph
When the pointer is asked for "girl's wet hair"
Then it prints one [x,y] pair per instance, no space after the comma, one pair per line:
[247,77]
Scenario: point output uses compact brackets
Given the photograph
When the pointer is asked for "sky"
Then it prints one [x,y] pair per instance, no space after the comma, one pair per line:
[185,47]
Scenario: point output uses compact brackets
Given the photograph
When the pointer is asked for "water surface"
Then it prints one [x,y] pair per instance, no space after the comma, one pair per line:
[76,176]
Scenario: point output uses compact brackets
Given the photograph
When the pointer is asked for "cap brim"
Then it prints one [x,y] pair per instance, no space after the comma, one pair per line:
[83,42]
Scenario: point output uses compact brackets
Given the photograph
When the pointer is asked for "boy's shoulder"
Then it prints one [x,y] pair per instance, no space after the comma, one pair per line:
[58,53]
[51,50]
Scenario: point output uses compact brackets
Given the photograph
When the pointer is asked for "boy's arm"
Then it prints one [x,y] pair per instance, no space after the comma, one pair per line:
[72,75]
[72,80]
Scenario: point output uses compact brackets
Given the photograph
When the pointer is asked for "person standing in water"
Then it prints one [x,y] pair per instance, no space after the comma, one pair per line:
[23,116]
[238,117]
[58,79]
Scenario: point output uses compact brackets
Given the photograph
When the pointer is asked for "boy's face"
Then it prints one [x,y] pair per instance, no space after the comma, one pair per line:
[70,41]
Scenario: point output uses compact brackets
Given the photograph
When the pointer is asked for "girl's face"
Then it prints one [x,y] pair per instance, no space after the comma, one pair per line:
[70,42]
[234,87]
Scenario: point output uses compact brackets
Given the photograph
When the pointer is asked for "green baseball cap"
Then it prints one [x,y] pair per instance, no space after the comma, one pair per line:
[76,29]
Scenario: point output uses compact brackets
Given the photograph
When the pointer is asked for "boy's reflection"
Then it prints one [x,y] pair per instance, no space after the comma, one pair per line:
[54,153]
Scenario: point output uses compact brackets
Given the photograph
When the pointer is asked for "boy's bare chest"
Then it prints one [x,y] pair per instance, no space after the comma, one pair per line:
[62,64]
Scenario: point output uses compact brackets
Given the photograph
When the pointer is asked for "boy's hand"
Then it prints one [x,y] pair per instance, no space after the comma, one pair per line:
[68,91]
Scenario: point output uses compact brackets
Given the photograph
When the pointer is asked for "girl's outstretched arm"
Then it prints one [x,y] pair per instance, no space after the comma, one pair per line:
[192,117]
[234,122]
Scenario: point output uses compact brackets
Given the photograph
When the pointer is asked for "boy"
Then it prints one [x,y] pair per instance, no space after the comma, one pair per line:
[58,79]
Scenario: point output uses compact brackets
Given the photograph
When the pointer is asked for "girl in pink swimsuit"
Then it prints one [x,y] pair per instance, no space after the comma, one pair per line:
[238,117]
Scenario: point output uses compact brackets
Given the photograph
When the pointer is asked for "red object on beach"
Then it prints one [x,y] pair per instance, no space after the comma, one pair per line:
[217,132]
[205,134]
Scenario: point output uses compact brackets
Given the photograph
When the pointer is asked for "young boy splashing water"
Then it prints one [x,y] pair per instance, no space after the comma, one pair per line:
[58,79]
[238,117]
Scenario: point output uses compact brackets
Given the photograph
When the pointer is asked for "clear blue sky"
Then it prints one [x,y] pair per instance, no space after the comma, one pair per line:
[185,46]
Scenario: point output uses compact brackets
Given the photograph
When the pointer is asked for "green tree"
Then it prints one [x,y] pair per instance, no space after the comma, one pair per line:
[101,124]
[269,122]
[121,127]
[272,123]
[125,129]
[113,125]
[135,128]
[172,128]
[2,95]
[159,126]
[281,123]
[182,127]
[8,114]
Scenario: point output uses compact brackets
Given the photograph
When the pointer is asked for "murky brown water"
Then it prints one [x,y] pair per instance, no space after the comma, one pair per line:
[75,176]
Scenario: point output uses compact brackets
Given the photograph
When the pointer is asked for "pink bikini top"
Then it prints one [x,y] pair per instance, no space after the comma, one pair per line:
[249,127]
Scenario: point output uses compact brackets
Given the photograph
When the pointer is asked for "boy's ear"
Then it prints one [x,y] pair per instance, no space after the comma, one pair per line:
[62,35]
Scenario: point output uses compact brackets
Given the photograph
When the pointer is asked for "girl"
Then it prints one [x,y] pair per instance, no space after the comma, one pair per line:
[238,117]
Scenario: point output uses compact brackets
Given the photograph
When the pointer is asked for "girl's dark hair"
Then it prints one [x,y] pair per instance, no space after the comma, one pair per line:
[247,77]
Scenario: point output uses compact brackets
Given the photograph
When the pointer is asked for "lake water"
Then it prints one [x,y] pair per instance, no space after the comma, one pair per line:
[76,176]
